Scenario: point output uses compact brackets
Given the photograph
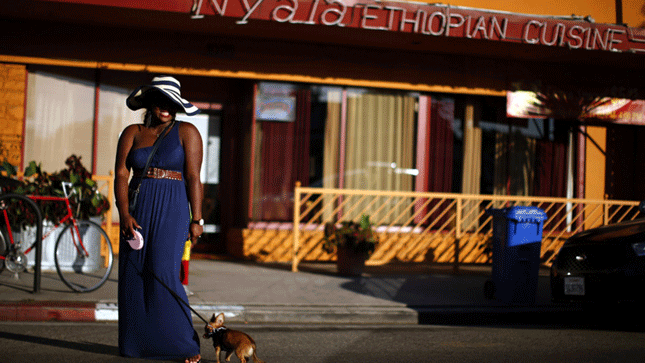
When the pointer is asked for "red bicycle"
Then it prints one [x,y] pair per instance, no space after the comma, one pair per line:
[83,253]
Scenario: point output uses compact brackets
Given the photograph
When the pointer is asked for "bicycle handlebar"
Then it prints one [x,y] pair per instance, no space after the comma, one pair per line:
[65,186]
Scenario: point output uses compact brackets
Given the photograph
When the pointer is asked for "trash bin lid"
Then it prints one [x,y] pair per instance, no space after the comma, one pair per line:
[526,214]
[519,213]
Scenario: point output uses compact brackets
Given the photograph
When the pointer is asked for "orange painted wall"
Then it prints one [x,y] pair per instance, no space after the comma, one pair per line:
[602,11]
[12,111]
[634,13]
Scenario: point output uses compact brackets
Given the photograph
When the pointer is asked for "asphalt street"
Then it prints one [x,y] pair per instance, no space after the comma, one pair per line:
[96,343]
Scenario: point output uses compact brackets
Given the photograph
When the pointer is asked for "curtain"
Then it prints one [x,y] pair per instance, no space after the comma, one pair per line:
[551,175]
[522,165]
[441,145]
[380,148]
[472,153]
[439,156]
[331,147]
[114,116]
[514,164]
[501,164]
[59,120]
[284,152]
[258,172]
[551,169]
[302,132]
[471,181]
[277,171]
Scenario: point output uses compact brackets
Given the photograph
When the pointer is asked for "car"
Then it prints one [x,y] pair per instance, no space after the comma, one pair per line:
[604,264]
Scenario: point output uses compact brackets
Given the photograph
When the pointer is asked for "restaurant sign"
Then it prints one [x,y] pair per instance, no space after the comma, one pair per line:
[435,20]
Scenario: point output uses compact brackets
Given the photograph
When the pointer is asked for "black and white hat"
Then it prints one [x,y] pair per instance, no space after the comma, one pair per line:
[168,86]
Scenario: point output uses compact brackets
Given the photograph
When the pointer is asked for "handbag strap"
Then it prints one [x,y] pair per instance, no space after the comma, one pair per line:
[155,146]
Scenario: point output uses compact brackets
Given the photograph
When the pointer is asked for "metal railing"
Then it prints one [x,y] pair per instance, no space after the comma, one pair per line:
[438,227]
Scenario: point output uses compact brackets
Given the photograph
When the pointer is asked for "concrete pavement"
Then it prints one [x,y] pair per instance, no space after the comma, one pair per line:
[249,292]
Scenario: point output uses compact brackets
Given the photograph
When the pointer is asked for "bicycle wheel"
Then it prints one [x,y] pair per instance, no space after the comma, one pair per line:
[4,249]
[85,266]
[18,217]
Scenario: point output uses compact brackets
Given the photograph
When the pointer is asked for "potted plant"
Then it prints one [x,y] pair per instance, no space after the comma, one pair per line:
[352,242]
[85,200]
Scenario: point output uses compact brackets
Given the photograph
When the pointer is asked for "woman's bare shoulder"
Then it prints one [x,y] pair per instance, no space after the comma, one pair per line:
[186,129]
[132,129]
[185,126]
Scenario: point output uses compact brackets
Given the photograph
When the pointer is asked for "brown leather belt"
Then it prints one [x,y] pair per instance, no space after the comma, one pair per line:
[156,173]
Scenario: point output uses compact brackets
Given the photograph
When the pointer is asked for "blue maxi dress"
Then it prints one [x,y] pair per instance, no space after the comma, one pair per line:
[152,323]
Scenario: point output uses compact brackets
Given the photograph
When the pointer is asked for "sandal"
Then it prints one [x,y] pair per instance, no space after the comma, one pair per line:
[190,360]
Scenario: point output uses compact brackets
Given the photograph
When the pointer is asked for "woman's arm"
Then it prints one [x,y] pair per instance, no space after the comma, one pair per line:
[192,142]
[122,175]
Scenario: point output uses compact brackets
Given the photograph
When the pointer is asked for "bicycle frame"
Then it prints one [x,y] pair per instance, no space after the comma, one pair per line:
[68,217]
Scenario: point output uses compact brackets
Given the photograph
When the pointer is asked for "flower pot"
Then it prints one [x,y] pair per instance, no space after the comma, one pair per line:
[28,235]
[350,263]
[47,262]
[69,259]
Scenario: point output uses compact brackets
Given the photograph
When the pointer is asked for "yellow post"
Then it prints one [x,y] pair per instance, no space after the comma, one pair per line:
[458,222]
[296,227]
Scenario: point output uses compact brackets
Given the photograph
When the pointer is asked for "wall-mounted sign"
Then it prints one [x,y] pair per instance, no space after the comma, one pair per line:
[434,20]
[275,102]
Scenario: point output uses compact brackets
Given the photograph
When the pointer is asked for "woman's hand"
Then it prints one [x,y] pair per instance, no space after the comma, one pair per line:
[196,232]
[128,225]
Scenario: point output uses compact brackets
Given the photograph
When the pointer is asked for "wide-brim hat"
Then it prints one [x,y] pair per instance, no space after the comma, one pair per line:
[169,87]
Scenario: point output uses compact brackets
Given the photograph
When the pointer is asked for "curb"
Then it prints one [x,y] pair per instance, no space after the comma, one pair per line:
[289,314]
[284,314]
[278,314]
[48,310]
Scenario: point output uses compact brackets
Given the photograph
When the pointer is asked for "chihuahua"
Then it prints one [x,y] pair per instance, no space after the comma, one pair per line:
[230,340]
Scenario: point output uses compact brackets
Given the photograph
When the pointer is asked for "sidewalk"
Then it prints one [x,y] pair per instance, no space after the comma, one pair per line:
[249,292]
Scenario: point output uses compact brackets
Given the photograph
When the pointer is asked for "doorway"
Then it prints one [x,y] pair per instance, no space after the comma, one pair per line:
[209,124]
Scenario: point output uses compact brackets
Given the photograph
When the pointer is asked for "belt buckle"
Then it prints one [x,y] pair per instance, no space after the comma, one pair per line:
[161,173]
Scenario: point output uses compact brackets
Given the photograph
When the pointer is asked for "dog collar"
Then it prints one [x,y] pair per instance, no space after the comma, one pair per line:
[221,329]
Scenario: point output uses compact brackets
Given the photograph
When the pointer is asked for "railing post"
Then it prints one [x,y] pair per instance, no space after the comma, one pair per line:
[296,227]
[455,267]
[605,213]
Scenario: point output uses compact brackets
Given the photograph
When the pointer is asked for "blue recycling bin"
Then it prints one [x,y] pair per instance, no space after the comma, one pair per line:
[517,240]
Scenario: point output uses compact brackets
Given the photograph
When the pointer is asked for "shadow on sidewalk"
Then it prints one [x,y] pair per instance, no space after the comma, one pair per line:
[83,347]
[25,282]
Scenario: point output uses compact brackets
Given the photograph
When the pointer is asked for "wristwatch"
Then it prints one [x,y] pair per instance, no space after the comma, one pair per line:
[200,222]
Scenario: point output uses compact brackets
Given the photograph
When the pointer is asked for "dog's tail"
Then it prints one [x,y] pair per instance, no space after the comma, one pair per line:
[255,358]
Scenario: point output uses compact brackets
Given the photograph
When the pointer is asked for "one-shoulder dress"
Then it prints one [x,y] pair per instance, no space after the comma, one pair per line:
[153,323]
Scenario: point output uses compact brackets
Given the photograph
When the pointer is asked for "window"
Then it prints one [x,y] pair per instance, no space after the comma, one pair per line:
[368,139]
[341,138]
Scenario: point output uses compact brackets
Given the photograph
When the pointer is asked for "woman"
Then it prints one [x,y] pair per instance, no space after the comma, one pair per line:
[152,323]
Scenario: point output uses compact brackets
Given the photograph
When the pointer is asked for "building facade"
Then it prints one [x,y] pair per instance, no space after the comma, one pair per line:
[340,94]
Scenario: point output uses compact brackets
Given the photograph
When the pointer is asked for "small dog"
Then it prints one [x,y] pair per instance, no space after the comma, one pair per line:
[230,340]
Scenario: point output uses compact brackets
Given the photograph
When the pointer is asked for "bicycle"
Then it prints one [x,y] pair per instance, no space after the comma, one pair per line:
[83,253]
